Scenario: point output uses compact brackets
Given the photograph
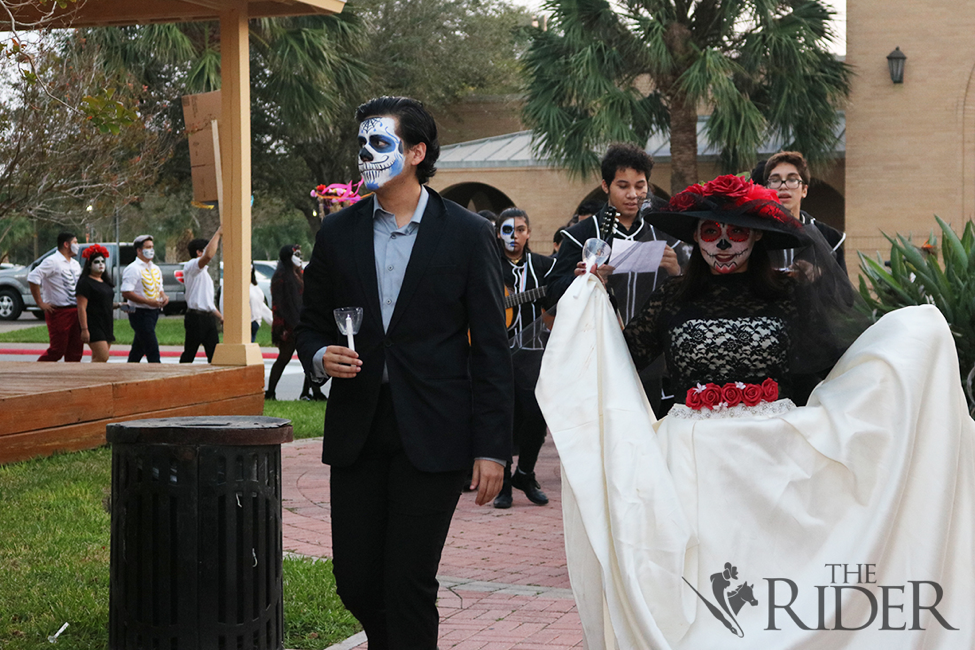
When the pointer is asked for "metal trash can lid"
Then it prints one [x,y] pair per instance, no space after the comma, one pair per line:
[203,430]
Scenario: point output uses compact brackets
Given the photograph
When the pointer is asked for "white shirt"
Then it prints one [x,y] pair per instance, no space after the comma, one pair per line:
[143,279]
[259,311]
[199,286]
[58,279]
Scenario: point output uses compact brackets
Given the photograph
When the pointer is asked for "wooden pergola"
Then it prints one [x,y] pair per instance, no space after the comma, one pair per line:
[235,123]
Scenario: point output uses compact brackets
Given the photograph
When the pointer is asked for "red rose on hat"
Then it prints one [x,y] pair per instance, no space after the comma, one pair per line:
[770,390]
[731,394]
[711,395]
[751,394]
[759,193]
[728,185]
[685,200]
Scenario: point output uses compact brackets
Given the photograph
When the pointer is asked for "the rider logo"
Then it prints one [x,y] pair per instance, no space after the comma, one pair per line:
[729,603]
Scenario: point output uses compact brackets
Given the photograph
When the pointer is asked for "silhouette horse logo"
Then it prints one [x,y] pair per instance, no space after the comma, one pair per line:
[729,603]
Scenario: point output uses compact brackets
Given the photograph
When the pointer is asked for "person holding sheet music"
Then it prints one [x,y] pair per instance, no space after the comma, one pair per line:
[626,181]
[525,275]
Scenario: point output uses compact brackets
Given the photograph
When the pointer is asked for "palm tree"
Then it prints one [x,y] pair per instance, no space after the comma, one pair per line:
[759,67]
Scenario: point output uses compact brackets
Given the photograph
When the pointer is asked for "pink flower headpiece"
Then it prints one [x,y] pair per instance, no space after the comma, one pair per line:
[338,192]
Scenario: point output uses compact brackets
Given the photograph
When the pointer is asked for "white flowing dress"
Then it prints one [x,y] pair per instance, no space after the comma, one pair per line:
[846,523]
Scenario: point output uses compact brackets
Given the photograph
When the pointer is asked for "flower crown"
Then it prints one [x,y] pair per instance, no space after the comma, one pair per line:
[730,193]
[337,192]
[93,250]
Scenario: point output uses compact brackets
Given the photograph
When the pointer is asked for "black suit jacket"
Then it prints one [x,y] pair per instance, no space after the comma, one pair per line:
[452,398]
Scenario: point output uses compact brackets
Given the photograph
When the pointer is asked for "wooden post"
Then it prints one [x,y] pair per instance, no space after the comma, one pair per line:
[235,206]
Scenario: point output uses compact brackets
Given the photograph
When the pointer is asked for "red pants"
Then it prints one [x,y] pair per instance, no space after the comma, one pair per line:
[65,334]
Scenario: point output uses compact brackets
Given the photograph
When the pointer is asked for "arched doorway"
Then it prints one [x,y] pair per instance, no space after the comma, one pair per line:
[478,196]
[826,204]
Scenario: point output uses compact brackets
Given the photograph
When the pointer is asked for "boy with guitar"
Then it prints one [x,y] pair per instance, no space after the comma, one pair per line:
[626,181]
[525,275]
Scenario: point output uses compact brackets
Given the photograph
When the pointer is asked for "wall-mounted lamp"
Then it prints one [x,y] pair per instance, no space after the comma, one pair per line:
[895,61]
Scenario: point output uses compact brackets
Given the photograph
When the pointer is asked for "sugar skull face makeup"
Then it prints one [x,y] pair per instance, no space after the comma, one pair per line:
[381,153]
[98,265]
[725,247]
[507,234]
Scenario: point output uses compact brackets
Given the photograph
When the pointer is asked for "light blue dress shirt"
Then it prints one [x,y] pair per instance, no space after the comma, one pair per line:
[392,247]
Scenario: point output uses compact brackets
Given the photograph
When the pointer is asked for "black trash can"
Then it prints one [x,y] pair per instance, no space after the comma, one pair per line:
[196,534]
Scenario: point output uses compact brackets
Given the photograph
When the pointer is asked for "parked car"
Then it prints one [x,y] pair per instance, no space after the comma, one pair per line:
[15,295]
[263,269]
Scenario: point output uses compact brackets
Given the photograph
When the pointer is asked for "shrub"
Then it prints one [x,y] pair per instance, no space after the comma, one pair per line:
[916,277]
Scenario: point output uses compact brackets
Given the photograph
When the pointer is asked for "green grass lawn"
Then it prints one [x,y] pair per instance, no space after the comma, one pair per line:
[306,417]
[169,331]
[54,554]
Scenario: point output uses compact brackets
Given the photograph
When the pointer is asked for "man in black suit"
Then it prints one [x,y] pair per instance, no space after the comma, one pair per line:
[416,402]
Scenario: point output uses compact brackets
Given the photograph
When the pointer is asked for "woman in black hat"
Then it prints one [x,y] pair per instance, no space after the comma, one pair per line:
[727,515]
[732,318]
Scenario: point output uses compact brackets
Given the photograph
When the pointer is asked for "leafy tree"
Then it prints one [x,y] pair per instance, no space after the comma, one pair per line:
[308,75]
[760,68]
[55,159]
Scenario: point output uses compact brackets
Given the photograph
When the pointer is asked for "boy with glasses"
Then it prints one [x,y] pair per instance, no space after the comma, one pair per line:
[788,174]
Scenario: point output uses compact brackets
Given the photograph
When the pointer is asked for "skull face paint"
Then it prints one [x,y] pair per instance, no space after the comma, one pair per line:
[381,154]
[725,247]
[98,265]
[507,234]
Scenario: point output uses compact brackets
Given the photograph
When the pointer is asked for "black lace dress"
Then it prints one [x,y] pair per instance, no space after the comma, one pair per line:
[726,334]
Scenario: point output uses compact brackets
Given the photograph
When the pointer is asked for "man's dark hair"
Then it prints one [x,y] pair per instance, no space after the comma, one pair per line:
[758,172]
[64,238]
[196,246]
[414,125]
[791,157]
[490,216]
[625,156]
[512,213]
[590,206]
[558,237]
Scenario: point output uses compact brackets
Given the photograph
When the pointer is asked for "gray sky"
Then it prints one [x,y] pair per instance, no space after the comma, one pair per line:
[838,5]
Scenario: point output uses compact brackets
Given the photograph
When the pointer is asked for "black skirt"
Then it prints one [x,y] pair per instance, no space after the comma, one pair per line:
[101,326]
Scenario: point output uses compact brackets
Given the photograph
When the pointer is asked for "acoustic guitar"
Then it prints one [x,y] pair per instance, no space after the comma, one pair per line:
[512,300]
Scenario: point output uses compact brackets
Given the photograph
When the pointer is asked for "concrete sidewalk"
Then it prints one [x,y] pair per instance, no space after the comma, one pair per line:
[503,577]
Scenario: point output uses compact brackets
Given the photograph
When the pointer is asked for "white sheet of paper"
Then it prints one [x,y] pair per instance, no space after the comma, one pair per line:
[637,256]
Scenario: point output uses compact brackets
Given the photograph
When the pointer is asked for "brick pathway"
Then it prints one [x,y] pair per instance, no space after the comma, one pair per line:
[503,578]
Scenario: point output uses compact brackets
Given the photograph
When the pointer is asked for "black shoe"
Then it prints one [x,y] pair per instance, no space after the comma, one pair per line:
[527,484]
[503,500]
[269,395]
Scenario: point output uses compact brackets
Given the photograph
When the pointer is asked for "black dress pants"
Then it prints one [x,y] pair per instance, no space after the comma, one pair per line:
[389,525]
[201,329]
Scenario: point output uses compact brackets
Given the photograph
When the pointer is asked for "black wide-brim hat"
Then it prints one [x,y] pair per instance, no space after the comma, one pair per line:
[754,208]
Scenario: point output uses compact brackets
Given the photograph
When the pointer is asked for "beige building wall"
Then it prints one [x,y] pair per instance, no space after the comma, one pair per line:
[910,148]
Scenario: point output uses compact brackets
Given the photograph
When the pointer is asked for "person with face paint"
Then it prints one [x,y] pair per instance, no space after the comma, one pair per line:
[96,300]
[730,292]
[427,392]
[523,272]
[52,284]
[879,464]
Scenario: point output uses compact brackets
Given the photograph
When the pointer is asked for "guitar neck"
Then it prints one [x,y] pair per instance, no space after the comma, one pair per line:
[523,297]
